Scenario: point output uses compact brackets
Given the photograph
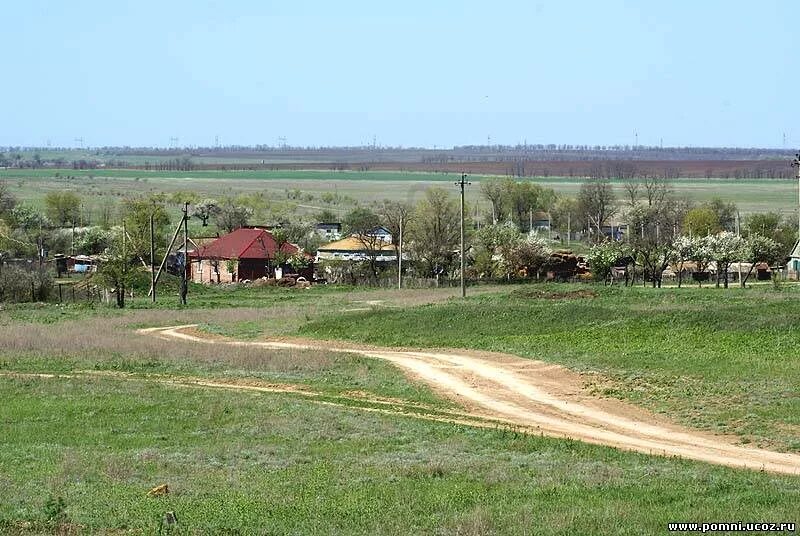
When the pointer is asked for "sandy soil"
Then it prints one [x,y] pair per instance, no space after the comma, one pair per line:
[537,397]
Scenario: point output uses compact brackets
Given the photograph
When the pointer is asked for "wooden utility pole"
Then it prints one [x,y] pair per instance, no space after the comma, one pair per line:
[124,262]
[152,256]
[569,227]
[796,164]
[184,282]
[463,182]
[400,257]
[166,254]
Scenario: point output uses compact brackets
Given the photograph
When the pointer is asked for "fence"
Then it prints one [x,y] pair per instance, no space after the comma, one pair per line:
[79,292]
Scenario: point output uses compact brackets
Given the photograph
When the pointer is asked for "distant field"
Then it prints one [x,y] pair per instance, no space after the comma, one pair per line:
[366,187]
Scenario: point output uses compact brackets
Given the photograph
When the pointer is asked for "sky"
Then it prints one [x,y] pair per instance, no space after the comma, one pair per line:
[404,73]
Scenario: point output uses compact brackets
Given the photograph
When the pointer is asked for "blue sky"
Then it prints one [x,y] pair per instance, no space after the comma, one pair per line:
[410,73]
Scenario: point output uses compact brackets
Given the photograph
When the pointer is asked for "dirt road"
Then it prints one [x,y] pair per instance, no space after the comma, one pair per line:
[539,398]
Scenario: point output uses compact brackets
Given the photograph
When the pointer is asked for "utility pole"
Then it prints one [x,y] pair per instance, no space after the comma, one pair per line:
[400,257]
[463,182]
[796,164]
[152,257]
[184,282]
[530,219]
[569,228]
[124,264]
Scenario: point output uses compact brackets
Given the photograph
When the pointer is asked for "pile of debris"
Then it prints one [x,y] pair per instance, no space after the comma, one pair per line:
[564,265]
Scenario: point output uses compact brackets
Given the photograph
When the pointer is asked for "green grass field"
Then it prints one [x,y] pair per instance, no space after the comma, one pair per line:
[124,414]
[365,187]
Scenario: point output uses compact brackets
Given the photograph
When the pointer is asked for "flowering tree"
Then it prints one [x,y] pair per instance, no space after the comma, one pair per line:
[489,243]
[681,252]
[526,257]
[726,247]
[759,248]
[602,258]
[699,251]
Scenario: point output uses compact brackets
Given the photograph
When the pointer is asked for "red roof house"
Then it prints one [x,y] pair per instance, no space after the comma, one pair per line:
[246,253]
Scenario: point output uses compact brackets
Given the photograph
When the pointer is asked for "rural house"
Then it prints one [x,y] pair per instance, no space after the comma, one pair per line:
[328,231]
[540,221]
[245,254]
[354,249]
[793,264]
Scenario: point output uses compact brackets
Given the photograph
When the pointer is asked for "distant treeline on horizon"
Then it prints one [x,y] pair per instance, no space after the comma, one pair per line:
[421,154]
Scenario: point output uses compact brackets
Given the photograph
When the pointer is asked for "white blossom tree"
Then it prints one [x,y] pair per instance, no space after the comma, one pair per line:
[757,249]
[725,248]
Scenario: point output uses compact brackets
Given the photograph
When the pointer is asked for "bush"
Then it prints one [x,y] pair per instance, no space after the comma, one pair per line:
[20,285]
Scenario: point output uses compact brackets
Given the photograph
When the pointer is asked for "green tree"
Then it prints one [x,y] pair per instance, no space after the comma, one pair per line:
[488,245]
[327,216]
[117,272]
[63,208]
[564,214]
[725,212]
[360,221]
[701,221]
[773,225]
[493,190]
[136,216]
[652,232]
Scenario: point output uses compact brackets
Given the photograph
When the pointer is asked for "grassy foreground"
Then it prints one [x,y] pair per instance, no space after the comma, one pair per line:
[78,453]
[263,464]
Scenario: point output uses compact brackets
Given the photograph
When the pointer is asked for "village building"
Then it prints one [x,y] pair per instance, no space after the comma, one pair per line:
[353,248]
[793,264]
[540,221]
[245,254]
[328,231]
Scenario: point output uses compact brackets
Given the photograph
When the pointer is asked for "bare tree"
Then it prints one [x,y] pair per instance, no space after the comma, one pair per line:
[435,231]
[596,204]
[656,190]
[494,191]
[363,225]
[232,216]
[392,213]
[632,187]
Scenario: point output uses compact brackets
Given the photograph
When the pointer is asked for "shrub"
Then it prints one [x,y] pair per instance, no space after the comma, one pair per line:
[20,285]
